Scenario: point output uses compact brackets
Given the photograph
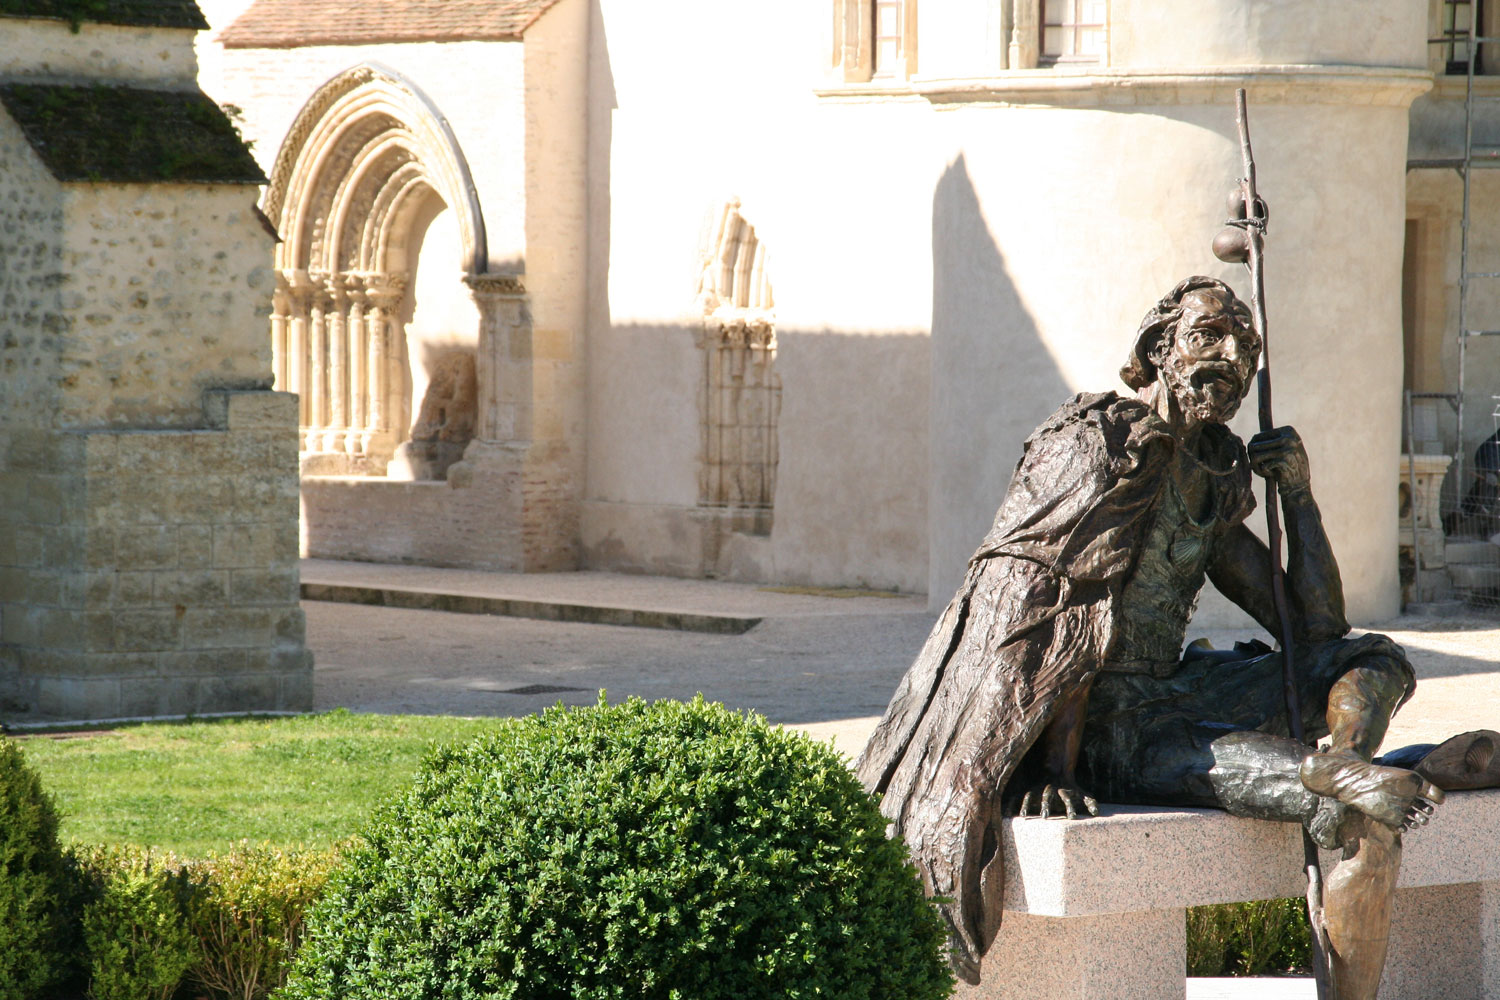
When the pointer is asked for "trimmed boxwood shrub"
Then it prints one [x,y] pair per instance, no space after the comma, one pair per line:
[137,942]
[30,881]
[245,910]
[668,850]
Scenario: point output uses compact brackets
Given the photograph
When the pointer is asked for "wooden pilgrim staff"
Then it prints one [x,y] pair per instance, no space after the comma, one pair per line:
[1244,242]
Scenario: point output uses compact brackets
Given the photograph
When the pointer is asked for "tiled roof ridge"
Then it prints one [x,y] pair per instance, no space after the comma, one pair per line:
[299,23]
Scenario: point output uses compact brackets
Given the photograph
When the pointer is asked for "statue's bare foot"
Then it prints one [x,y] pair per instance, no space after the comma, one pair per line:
[1399,798]
[1057,799]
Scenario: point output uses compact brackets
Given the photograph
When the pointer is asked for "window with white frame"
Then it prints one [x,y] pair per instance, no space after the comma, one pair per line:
[1073,31]
[887,49]
[875,39]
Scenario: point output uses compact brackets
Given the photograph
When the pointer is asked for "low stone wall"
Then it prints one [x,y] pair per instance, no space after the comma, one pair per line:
[504,507]
[153,572]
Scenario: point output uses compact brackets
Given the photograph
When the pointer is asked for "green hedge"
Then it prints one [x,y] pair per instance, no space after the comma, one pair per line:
[224,927]
[601,812]
[1249,939]
[32,942]
[664,851]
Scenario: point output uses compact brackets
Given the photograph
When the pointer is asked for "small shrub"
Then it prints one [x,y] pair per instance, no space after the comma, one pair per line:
[30,881]
[663,851]
[1248,939]
[137,942]
[245,910]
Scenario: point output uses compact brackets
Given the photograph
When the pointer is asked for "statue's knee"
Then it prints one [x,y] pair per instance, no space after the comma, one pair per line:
[1381,676]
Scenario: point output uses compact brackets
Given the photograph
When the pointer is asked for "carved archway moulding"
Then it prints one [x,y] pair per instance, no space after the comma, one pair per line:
[366,157]
[367,123]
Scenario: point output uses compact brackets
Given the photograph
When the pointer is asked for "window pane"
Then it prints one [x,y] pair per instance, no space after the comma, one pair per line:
[1054,41]
[886,55]
[1091,42]
[889,24]
[1093,11]
[1057,11]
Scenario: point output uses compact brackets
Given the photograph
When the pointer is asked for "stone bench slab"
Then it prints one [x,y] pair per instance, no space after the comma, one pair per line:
[1138,858]
[1096,908]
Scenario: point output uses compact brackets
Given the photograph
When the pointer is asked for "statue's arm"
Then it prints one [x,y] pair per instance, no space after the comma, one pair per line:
[1241,569]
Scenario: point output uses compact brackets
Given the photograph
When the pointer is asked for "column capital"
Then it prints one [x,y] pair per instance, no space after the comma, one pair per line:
[491,285]
[355,286]
[383,289]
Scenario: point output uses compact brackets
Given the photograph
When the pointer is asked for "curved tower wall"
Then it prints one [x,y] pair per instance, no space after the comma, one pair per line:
[1148,150]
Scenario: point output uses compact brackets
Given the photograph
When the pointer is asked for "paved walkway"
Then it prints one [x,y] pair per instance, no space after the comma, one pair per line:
[825,661]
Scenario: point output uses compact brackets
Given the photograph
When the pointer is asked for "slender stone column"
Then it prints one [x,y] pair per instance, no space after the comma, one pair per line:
[383,294]
[1025,34]
[280,308]
[297,353]
[359,432]
[338,373]
[317,388]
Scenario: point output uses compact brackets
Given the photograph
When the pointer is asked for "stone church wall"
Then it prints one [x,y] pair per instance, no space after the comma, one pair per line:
[31,248]
[512,501]
[841,196]
[169,286]
[148,499]
[953,254]
[1011,229]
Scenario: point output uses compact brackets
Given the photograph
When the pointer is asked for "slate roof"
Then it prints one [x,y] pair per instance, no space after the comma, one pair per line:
[136,13]
[129,135]
[284,24]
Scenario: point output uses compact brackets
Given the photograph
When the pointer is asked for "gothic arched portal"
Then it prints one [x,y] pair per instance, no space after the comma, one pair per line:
[368,175]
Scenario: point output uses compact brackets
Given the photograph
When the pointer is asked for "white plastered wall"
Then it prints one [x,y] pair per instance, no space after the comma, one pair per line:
[848,254]
[949,264]
[1009,251]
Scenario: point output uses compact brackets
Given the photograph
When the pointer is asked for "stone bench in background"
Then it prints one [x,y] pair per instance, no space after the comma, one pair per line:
[1095,908]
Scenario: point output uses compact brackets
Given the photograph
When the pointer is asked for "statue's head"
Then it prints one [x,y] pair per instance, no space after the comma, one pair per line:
[1199,343]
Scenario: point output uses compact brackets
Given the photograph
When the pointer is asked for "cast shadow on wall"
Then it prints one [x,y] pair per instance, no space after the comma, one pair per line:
[993,378]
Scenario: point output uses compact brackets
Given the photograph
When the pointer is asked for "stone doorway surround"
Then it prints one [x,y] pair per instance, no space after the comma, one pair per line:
[363,160]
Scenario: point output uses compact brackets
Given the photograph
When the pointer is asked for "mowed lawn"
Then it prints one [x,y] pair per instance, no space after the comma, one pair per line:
[199,787]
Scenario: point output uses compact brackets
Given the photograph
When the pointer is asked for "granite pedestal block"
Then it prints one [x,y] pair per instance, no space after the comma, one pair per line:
[1095,908]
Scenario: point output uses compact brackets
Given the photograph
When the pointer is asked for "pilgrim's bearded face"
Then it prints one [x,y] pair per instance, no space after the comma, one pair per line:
[1211,357]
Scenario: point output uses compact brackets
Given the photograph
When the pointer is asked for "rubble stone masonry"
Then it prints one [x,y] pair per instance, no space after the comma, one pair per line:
[148,474]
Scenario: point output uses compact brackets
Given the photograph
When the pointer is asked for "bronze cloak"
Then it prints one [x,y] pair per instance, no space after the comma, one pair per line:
[1034,619]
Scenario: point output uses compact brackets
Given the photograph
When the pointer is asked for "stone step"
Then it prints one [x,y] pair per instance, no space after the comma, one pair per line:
[1471,551]
[1473,576]
[556,611]
[1435,609]
[1431,585]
